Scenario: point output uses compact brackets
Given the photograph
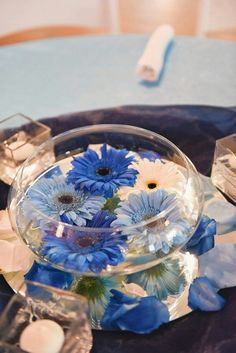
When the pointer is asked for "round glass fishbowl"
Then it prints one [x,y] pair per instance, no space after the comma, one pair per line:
[114,209]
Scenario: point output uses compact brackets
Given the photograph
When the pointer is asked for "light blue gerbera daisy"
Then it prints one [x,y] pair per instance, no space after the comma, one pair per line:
[97,292]
[83,251]
[162,280]
[55,198]
[102,175]
[157,235]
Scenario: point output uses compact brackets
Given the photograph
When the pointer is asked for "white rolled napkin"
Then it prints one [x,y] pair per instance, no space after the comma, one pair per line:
[151,62]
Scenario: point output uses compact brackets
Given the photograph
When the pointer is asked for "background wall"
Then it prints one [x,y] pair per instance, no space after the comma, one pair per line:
[22,14]
[222,14]
[192,17]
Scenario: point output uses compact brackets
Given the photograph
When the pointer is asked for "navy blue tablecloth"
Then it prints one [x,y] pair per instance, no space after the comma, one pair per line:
[194,129]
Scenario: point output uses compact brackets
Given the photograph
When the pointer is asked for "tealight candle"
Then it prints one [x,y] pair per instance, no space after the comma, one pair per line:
[19,151]
[42,336]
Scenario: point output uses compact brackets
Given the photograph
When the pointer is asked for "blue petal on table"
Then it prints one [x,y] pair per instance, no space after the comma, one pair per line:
[219,265]
[203,295]
[139,315]
[224,214]
[203,238]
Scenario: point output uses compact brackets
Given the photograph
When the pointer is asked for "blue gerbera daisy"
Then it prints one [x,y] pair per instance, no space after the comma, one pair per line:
[55,198]
[102,175]
[160,234]
[87,251]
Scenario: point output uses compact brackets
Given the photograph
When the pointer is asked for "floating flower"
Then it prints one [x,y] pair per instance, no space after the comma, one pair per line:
[55,198]
[203,238]
[97,292]
[87,251]
[190,201]
[102,175]
[153,175]
[111,204]
[161,280]
[203,296]
[46,274]
[161,233]
[139,315]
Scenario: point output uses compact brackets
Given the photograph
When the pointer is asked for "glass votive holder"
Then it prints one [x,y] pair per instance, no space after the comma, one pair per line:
[4,299]
[19,136]
[8,348]
[61,315]
[224,166]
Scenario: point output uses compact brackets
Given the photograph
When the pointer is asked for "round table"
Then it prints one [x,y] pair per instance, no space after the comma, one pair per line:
[194,130]
[54,76]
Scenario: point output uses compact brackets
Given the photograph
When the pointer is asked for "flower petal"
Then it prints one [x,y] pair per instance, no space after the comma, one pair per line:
[203,296]
[139,315]
[203,238]
[46,274]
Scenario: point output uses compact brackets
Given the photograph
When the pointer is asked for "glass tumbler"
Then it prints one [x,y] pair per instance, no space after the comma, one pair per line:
[37,301]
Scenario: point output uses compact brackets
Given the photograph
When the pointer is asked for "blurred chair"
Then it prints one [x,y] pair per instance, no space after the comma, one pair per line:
[211,18]
[145,15]
[227,34]
[48,32]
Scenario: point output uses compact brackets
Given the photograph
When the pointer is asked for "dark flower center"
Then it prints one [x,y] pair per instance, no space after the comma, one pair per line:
[84,242]
[152,185]
[65,199]
[103,171]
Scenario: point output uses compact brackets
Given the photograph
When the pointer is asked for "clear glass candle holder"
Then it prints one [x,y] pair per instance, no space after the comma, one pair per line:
[37,301]
[19,136]
[8,348]
[224,166]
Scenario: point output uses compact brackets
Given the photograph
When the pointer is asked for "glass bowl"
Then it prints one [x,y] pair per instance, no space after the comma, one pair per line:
[173,206]
[114,212]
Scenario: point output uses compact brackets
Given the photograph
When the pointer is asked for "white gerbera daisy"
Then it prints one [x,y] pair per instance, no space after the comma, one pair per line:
[154,175]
